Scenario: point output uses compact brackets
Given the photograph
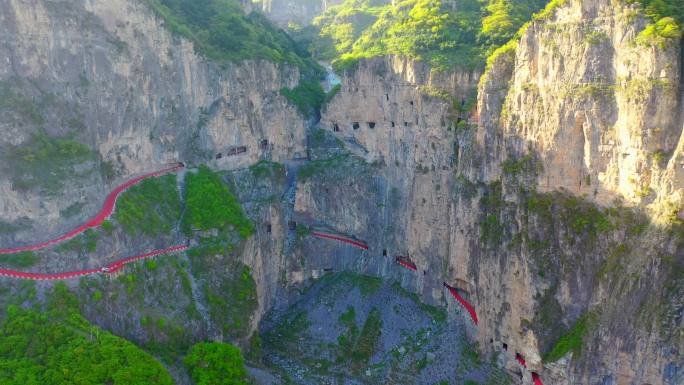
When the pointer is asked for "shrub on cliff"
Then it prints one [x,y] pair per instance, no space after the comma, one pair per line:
[215,363]
[570,341]
[151,207]
[58,346]
[222,31]
[211,205]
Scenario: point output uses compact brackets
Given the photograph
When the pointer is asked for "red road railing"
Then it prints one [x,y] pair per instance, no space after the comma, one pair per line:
[463,302]
[520,359]
[537,380]
[349,241]
[109,269]
[118,265]
[105,212]
[406,263]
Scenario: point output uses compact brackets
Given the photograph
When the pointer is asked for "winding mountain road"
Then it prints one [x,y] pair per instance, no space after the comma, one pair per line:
[108,208]
[339,238]
[105,212]
[109,269]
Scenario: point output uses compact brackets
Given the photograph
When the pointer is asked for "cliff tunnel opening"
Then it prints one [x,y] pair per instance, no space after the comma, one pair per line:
[393,124]
[336,127]
[355,125]
[371,124]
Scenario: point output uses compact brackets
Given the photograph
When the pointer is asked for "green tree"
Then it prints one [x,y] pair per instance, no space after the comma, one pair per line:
[58,346]
[211,205]
[222,31]
[214,363]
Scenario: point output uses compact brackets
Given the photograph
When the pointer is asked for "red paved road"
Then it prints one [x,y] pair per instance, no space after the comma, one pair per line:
[112,267]
[406,263]
[463,302]
[104,213]
[537,380]
[352,242]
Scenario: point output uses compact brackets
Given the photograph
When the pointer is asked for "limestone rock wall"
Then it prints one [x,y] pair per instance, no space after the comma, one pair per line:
[601,111]
[142,98]
[597,115]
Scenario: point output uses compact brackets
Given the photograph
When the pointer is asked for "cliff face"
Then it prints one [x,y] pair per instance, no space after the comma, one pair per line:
[580,109]
[602,112]
[109,74]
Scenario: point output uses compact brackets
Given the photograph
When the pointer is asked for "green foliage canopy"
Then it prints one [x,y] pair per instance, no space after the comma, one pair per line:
[570,341]
[151,207]
[222,31]
[58,346]
[443,33]
[214,363]
[211,205]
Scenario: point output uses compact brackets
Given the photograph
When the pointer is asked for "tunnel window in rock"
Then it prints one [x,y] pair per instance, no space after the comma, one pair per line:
[264,144]
[356,125]
[371,124]
[393,124]
[219,156]
[336,127]
[292,225]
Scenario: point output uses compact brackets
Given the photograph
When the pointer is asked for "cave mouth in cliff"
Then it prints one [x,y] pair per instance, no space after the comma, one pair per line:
[356,125]
[371,124]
